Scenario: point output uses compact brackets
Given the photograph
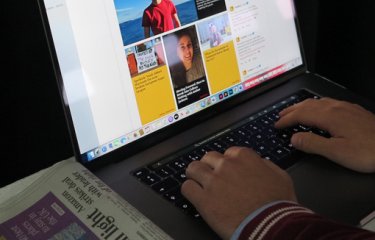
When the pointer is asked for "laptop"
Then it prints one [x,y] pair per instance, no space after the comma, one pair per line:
[143,97]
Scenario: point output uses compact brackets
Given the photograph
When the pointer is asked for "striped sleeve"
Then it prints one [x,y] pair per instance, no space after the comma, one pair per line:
[288,220]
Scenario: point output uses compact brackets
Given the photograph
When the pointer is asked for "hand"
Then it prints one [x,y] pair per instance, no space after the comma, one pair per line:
[225,189]
[352,130]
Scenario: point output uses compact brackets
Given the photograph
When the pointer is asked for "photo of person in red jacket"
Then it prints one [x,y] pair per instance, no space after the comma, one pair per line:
[160,16]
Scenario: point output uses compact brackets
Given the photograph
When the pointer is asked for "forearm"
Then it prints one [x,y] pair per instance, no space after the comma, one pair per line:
[146,31]
[177,22]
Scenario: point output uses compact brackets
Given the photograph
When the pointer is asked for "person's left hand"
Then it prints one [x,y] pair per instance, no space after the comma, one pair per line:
[226,188]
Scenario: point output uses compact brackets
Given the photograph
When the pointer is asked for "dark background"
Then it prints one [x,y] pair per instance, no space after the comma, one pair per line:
[338,40]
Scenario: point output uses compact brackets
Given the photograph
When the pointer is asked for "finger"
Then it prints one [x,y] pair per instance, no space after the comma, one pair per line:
[240,153]
[314,144]
[305,116]
[287,110]
[297,105]
[199,171]
[212,159]
[303,111]
[193,192]
[248,155]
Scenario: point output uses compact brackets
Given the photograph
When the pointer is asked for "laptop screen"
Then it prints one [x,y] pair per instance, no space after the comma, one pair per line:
[129,68]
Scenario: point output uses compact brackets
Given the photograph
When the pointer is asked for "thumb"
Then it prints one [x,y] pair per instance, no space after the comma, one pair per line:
[314,144]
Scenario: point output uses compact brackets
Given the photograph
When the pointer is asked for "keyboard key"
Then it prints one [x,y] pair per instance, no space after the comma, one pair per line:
[269,131]
[279,153]
[261,149]
[165,185]
[274,117]
[289,147]
[259,137]
[141,173]
[160,163]
[247,143]
[295,129]
[174,195]
[194,213]
[265,121]
[268,157]
[201,151]
[218,146]
[284,135]
[164,171]
[188,208]
[151,179]
[188,158]
[273,142]
[253,128]
[185,205]
[304,128]
[180,176]
[241,133]
[178,164]
[320,132]
[230,140]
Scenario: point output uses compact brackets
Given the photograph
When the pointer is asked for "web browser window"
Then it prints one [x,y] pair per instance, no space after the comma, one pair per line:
[132,67]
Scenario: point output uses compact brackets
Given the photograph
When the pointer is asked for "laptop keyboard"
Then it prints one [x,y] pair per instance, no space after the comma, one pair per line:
[257,132]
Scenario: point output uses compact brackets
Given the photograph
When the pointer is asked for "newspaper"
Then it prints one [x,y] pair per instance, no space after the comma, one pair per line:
[67,201]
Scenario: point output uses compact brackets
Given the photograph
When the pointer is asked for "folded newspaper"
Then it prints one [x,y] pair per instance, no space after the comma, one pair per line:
[67,201]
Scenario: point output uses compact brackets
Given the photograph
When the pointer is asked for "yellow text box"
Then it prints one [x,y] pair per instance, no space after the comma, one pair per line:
[154,95]
[222,67]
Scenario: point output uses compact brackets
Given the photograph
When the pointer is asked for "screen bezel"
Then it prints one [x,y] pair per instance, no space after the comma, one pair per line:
[168,131]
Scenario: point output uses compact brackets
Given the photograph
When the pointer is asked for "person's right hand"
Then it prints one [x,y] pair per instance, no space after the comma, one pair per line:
[352,130]
[226,188]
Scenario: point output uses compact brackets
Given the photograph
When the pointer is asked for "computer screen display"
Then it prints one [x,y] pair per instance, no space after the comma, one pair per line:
[132,67]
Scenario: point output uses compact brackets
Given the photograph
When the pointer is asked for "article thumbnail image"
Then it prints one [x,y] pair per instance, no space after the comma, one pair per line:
[186,65]
[214,32]
[140,19]
[150,80]
[184,56]
[145,57]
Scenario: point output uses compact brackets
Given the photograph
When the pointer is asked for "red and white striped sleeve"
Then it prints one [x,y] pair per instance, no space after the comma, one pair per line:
[288,220]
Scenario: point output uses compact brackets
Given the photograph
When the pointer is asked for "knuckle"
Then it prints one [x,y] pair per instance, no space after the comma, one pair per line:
[331,108]
[336,105]
[233,151]
[310,102]
[193,165]
[222,163]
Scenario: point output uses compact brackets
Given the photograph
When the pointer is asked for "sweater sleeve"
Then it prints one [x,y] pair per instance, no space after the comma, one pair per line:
[288,220]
